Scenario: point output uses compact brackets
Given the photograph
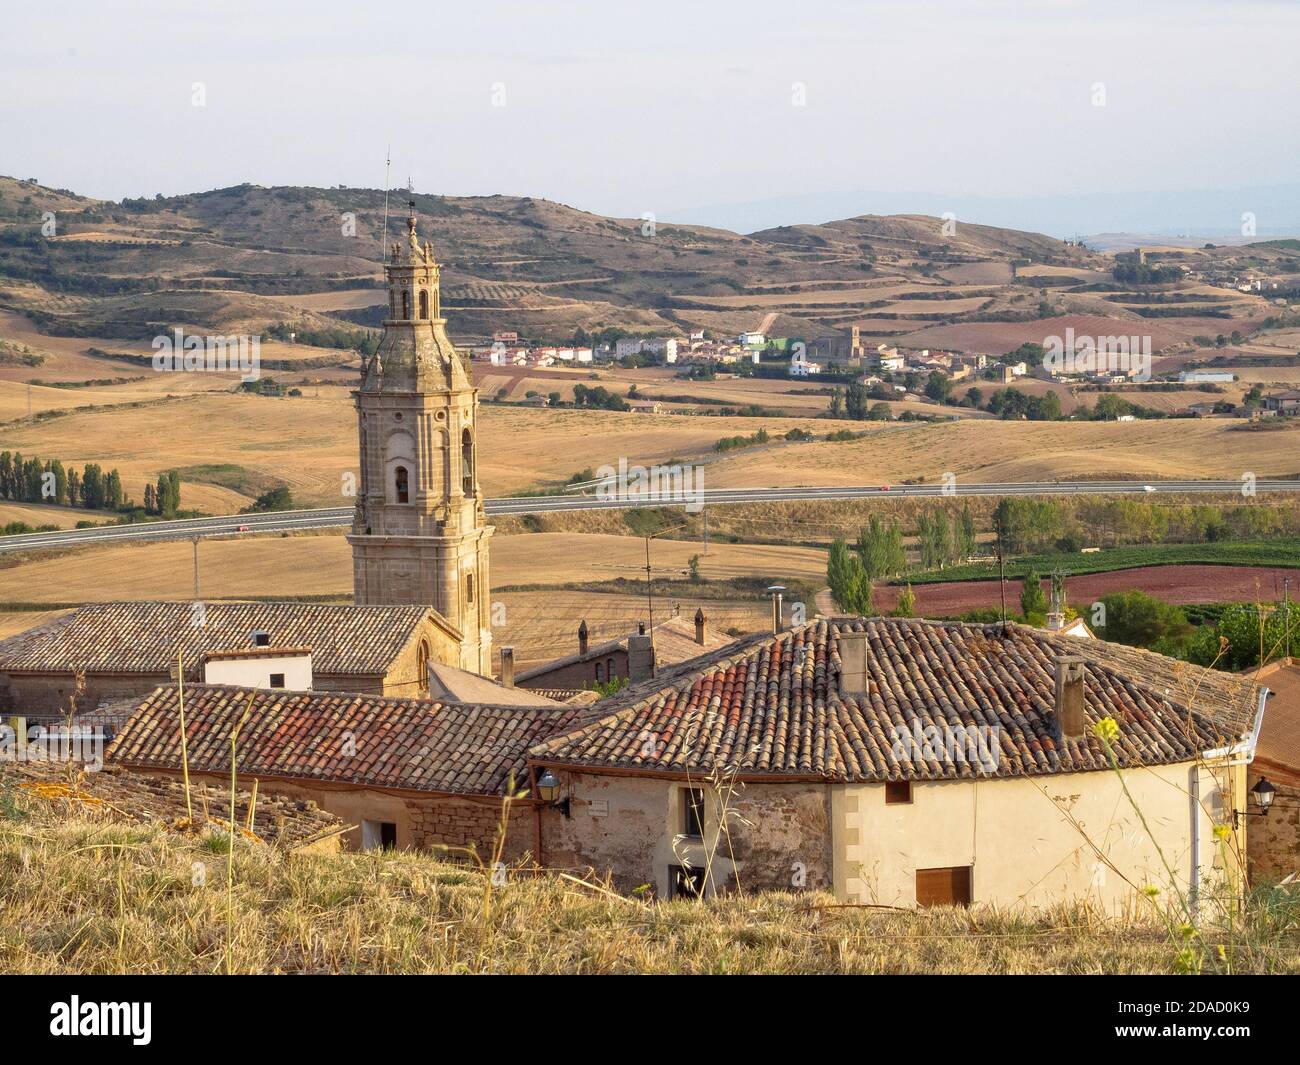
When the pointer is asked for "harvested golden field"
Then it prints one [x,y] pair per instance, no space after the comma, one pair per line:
[993,451]
[347,299]
[231,446]
[1000,337]
[321,565]
[978,273]
[36,515]
[12,622]
[309,442]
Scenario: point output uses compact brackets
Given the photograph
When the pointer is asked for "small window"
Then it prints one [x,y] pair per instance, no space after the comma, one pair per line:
[600,679]
[261,639]
[685,883]
[402,485]
[422,666]
[898,791]
[277,680]
[943,887]
[469,587]
[693,812]
[610,671]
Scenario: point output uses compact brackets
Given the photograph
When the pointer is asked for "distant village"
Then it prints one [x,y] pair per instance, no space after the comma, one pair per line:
[887,370]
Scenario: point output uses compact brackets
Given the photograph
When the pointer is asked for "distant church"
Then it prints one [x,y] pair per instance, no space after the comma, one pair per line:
[420,535]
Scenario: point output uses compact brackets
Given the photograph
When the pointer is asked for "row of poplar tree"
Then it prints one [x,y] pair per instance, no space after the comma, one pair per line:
[941,540]
[31,480]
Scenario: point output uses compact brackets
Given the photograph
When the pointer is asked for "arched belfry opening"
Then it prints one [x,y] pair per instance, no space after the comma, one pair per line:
[401,485]
[406,304]
[424,304]
[467,462]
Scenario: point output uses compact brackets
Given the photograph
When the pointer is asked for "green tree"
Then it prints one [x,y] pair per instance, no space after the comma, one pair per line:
[848,580]
[938,385]
[1033,604]
[1140,620]
[279,498]
[855,401]
[906,603]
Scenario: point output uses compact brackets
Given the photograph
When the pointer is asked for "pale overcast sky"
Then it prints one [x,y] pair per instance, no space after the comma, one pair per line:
[666,107]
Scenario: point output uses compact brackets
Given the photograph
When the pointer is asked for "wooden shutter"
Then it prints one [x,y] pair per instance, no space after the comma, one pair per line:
[943,887]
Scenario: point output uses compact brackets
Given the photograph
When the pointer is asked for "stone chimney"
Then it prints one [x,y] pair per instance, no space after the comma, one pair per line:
[508,667]
[582,637]
[1069,695]
[699,626]
[853,664]
[640,656]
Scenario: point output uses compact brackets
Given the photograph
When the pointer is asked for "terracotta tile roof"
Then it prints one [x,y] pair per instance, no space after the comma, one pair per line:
[343,738]
[772,706]
[1279,738]
[142,637]
[674,642]
[239,653]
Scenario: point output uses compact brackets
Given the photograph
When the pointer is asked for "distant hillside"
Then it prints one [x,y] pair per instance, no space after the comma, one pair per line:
[249,257]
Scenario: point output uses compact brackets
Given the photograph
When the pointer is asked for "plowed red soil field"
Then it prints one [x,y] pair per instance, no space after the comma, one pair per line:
[1174,584]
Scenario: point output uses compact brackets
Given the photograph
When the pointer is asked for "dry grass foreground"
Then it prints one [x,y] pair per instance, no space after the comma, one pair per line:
[86,897]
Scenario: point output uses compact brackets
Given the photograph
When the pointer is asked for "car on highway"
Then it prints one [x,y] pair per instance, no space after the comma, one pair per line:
[884,488]
[242,528]
[1147,488]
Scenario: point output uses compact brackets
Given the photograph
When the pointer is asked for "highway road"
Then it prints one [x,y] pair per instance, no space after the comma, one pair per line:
[335,517]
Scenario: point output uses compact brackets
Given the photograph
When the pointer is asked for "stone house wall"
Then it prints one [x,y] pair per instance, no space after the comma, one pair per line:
[631,828]
[1273,842]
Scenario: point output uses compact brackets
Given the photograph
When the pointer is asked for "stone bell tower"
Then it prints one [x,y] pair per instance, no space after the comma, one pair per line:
[419,535]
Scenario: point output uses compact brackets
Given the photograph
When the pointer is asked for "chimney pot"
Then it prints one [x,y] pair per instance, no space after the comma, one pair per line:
[508,667]
[582,637]
[1070,672]
[699,626]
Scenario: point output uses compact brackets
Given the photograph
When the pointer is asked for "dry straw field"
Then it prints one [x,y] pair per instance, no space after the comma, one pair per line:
[83,896]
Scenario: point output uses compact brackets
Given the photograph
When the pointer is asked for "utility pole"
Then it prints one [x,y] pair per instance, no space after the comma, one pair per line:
[1002,586]
[197,597]
[649,594]
[1286,614]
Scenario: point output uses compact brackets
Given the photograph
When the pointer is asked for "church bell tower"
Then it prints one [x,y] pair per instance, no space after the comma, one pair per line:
[420,535]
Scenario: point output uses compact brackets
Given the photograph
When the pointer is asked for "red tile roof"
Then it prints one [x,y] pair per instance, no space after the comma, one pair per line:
[674,642]
[771,706]
[414,744]
[1279,738]
[142,637]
